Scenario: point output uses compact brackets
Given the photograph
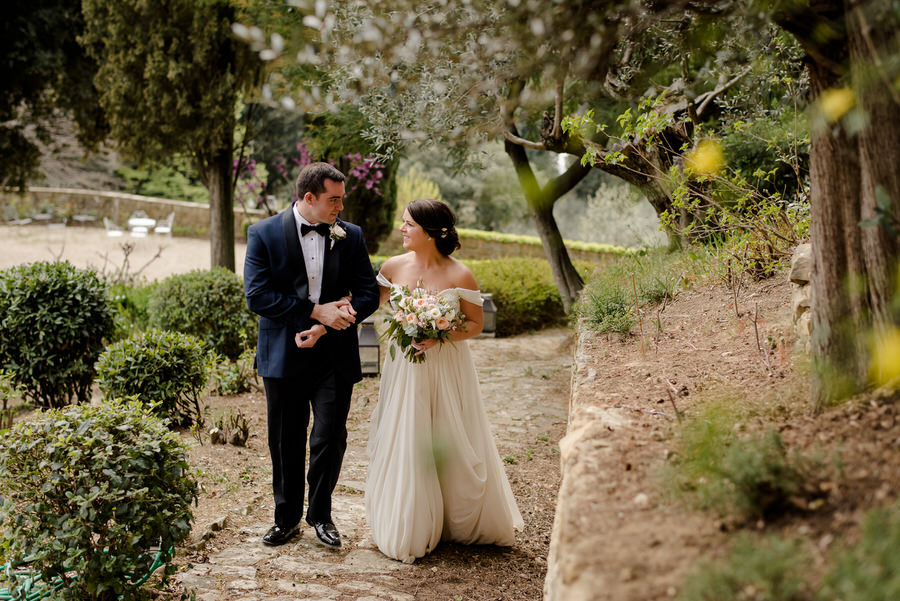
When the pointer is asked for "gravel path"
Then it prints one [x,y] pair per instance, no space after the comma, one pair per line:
[525,384]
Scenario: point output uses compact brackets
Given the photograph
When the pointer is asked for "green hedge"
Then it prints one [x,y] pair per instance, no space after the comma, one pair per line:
[167,368]
[524,292]
[535,241]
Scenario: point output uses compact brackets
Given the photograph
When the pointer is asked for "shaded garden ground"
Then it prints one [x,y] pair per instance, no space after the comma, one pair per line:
[628,530]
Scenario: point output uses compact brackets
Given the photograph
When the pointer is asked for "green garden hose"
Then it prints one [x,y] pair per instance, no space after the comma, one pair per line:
[36,589]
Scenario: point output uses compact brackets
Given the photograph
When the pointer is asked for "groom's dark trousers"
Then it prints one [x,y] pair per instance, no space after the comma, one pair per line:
[300,382]
[289,401]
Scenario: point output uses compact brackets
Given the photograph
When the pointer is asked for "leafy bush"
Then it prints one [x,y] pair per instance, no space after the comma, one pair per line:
[763,475]
[131,304]
[607,303]
[8,390]
[208,304]
[88,492]
[234,377]
[524,292]
[870,571]
[751,476]
[168,369]
[605,306]
[54,319]
[178,182]
[769,570]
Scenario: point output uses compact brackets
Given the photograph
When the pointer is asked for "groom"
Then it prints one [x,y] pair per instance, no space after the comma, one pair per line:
[308,276]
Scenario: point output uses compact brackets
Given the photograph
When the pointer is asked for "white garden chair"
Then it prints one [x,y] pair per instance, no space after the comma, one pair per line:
[164,226]
[112,230]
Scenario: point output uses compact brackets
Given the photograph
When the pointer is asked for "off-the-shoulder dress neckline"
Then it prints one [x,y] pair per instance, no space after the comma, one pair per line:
[389,284]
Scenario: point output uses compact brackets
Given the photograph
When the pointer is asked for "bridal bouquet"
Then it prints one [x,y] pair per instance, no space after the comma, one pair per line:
[418,315]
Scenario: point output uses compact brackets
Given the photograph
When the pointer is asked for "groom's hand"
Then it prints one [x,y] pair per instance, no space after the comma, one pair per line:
[338,315]
[308,338]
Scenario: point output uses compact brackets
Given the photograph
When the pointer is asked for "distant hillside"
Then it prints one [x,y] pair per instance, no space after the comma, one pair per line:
[65,164]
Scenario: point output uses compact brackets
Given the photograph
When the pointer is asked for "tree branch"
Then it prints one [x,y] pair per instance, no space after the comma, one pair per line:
[712,95]
[514,139]
[567,180]
[560,89]
[527,179]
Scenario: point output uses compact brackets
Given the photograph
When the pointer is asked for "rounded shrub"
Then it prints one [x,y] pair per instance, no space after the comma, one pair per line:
[167,369]
[54,319]
[90,495]
[208,304]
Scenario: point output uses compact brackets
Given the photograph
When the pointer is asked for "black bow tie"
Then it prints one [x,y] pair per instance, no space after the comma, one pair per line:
[320,228]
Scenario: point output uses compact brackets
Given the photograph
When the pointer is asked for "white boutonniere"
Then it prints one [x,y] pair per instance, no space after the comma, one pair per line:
[336,233]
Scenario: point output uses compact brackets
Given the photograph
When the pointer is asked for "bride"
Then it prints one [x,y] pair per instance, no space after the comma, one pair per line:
[434,470]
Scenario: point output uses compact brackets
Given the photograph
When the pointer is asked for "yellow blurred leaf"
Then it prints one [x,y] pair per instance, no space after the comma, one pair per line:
[706,159]
[885,365]
[835,102]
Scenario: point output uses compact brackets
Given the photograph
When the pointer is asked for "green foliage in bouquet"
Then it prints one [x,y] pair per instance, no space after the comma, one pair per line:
[54,319]
[167,369]
[208,304]
[89,495]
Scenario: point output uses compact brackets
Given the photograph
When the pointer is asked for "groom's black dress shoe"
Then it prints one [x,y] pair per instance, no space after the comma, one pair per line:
[326,533]
[278,535]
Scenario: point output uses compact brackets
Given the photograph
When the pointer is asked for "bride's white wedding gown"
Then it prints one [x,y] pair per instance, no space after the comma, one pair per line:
[434,470]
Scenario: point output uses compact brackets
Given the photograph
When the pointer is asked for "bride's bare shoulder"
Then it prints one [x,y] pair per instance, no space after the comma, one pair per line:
[462,276]
[393,265]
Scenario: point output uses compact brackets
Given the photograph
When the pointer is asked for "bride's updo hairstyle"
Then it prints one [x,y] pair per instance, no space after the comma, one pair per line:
[438,221]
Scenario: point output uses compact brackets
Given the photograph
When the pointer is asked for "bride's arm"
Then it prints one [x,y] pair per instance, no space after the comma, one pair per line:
[474,314]
[474,321]
[387,271]
[384,294]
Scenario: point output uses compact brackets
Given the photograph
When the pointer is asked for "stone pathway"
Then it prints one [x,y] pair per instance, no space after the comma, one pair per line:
[521,385]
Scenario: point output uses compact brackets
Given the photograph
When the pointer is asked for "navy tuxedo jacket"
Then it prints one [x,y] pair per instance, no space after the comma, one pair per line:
[277,289]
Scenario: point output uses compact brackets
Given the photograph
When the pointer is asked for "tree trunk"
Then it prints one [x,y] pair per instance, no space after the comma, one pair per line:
[540,203]
[568,281]
[872,39]
[854,268]
[221,210]
[837,305]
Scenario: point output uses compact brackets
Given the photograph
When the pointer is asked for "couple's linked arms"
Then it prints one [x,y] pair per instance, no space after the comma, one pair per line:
[298,313]
[341,314]
[338,315]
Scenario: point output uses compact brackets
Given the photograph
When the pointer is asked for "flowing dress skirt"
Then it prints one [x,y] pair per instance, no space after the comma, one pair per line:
[434,470]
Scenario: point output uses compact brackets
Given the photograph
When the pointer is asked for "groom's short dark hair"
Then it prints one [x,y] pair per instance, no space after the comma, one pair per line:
[312,178]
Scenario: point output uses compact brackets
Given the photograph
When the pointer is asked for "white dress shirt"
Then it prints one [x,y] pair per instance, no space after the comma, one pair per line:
[313,245]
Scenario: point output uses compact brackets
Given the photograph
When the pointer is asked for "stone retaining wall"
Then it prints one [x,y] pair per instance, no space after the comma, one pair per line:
[476,248]
[191,218]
